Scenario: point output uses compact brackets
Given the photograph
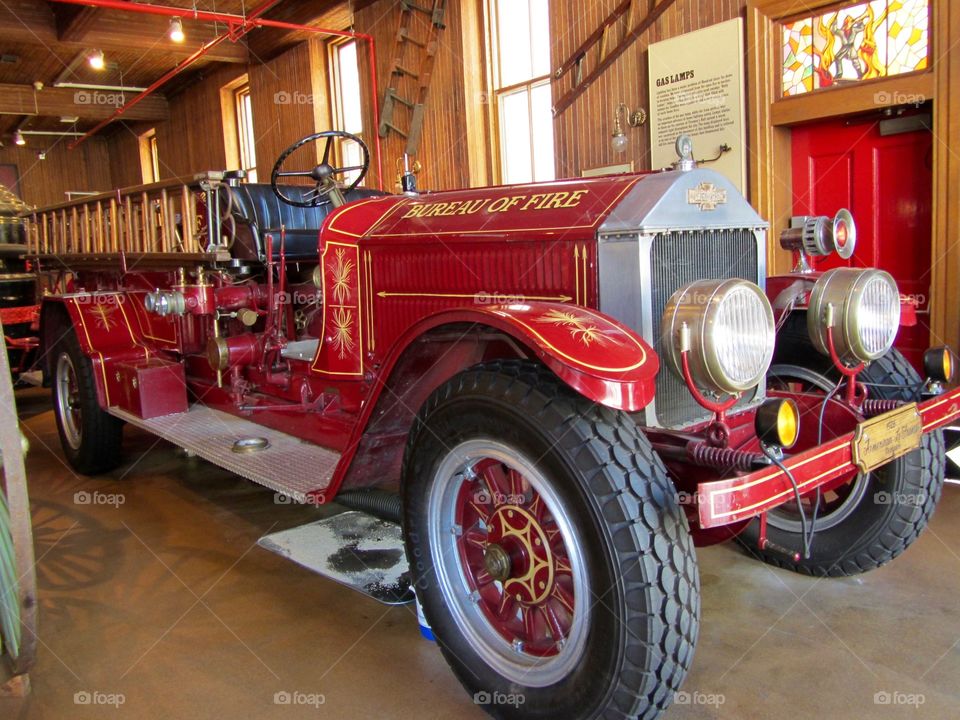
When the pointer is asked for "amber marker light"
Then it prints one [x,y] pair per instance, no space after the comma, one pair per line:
[778,423]
[938,364]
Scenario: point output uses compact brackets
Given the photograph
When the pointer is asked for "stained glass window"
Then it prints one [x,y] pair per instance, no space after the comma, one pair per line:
[861,42]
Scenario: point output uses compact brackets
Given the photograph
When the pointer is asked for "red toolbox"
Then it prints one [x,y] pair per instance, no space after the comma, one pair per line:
[153,387]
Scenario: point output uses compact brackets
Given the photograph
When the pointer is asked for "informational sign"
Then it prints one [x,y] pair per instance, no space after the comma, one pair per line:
[697,88]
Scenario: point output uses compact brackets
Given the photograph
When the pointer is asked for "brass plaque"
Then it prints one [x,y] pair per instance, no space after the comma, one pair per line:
[886,437]
[707,196]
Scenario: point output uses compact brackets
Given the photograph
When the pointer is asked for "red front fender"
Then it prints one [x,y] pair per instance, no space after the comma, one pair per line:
[594,354]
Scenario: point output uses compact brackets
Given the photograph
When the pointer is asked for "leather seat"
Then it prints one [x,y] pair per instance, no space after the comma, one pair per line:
[258,208]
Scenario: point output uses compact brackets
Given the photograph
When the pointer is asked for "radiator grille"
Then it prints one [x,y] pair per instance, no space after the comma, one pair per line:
[678,258]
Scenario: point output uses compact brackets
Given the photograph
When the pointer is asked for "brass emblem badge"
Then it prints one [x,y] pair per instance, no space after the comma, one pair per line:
[707,196]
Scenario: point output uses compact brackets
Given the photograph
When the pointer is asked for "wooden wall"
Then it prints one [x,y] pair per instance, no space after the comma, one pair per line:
[456,140]
[290,100]
[582,131]
[44,182]
[192,139]
[443,151]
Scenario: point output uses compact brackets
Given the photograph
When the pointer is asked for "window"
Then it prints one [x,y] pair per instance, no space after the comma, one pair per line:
[246,138]
[861,42]
[520,54]
[347,105]
[149,157]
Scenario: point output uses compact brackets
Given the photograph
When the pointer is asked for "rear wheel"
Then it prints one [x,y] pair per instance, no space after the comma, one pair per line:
[874,517]
[89,436]
[549,551]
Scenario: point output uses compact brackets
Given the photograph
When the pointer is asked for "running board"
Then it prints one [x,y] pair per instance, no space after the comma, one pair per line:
[287,465]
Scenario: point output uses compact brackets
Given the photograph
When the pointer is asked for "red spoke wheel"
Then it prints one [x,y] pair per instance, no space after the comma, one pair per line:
[521,589]
[548,549]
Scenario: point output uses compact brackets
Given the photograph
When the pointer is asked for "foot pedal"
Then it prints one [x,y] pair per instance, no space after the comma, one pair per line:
[352,548]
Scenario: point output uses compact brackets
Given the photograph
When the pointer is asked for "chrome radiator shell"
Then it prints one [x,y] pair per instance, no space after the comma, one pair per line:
[657,240]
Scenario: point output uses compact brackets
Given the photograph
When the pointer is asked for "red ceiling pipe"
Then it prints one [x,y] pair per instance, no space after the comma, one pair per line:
[204,49]
[239,26]
[236,31]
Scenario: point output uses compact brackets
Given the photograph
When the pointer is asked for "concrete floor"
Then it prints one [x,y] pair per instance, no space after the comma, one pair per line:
[166,600]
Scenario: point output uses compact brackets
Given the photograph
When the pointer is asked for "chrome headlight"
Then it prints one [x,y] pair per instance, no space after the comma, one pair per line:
[729,327]
[863,307]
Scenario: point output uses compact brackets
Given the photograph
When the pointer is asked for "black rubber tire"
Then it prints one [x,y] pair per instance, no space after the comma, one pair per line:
[902,496]
[101,434]
[634,535]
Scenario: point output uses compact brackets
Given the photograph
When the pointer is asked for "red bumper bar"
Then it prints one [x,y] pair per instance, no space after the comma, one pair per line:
[723,502]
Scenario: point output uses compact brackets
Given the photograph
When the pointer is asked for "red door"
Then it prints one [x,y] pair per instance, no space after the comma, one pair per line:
[886,182]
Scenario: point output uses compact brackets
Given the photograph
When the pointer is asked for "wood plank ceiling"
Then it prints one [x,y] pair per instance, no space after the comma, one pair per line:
[49,42]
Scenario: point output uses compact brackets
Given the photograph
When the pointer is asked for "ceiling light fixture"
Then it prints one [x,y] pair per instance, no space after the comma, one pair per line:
[96,60]
[18,138]
[176,30]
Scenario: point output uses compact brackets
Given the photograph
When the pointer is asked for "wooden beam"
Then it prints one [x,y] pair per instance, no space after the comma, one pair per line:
[73,21]
[607,58]
[85,104]
[854,98]
[34,23]
[267,43]
[476,113]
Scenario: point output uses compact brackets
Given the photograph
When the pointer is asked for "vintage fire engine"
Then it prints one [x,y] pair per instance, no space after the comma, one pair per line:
[568,384]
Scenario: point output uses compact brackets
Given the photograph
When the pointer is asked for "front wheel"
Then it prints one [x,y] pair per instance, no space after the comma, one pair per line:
[872,518]
[548,548]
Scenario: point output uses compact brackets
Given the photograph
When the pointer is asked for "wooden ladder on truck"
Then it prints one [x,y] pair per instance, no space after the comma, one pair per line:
[146,225]
[414,55]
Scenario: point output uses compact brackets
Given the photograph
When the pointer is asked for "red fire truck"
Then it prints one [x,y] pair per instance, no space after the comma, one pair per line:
[569,385]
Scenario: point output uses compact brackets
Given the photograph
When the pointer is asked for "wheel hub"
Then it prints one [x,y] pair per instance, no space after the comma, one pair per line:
[532,580]
[497,562]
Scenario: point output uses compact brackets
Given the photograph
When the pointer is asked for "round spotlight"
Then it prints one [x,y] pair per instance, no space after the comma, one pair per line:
[176,30]
[778,423]
[938,364]
[727,327]
[862,307]
[96,60]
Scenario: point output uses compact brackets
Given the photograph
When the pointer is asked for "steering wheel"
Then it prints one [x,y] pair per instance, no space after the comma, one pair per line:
[323,174]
